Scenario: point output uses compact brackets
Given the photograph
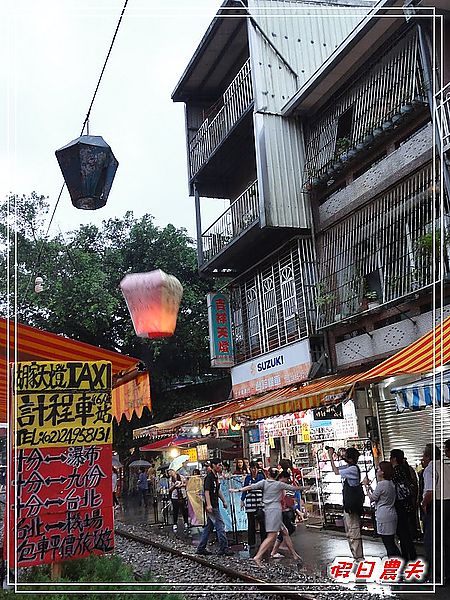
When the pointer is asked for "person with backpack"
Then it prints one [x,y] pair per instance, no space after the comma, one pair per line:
[353,498]
[384,497]
[405,503]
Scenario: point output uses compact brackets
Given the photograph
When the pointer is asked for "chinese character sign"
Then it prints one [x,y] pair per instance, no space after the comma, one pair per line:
[220,334]
[61,404]
[64,504]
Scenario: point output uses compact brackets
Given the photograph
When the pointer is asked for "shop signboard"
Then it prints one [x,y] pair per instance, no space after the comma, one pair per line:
[330,411]
[62,496]
[192,453]
[202,452]
[64,504]
[62,404]
[220,334]
[253,435]
[276,369]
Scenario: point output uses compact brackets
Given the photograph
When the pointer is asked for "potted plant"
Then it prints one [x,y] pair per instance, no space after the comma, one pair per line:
[372,299]
[342,145]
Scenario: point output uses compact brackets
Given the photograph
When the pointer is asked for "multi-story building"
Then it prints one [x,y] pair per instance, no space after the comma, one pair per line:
[319,128]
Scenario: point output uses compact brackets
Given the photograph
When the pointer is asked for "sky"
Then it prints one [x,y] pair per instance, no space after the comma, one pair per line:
[54,51]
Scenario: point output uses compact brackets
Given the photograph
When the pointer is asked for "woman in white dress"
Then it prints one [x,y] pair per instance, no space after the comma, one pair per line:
[272,493]
[383,497]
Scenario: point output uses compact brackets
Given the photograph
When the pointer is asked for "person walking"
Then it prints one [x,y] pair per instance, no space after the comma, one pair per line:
[142,486]
[252,501]
[353,498]
[405,503]
[272,492]
[214,519]
[178,497]
[114,487]
[288,500]
[384,497]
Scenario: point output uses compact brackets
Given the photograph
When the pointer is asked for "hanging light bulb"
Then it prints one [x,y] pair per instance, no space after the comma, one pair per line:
[38,287]
[205,430]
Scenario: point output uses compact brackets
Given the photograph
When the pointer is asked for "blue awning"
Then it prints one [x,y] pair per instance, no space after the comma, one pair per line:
[422,393]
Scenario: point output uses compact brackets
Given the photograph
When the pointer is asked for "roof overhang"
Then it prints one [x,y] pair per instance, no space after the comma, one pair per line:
[217,53]
[366,39]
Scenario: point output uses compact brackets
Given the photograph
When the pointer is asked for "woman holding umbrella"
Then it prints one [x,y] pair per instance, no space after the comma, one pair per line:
[178,497]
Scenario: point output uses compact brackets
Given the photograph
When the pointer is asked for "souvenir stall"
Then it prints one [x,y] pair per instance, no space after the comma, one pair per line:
[303,437]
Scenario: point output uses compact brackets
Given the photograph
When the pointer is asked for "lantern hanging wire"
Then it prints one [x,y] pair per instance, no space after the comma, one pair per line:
[85,125]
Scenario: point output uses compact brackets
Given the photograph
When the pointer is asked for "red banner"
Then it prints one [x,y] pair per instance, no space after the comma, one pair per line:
[64,504]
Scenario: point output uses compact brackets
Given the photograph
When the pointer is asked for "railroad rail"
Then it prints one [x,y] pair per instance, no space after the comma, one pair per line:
[261,584]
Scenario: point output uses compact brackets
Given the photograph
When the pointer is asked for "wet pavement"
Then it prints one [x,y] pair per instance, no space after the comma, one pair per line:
[318,547]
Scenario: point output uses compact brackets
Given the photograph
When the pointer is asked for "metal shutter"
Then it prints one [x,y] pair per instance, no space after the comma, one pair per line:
[411,429]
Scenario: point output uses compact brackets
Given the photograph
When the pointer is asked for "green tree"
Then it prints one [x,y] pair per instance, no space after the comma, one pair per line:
[82,299]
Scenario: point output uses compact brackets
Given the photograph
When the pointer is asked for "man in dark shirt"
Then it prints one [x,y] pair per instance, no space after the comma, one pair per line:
[405,503]
[213,517]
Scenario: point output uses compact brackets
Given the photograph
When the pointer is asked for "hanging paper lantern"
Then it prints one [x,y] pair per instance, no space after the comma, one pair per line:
[153,300]
[88,167]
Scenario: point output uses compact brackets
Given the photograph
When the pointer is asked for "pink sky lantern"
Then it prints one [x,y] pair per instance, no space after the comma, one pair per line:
[153,300]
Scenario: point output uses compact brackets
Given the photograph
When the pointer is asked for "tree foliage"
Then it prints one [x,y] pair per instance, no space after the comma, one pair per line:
[82,299]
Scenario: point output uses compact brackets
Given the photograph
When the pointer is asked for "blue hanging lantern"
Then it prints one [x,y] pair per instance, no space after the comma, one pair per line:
[88,167]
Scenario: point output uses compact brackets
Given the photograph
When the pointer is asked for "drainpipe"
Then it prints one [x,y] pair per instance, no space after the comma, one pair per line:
[198,222]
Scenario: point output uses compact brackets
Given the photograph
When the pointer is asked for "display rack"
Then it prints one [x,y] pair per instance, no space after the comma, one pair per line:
[330,489]
[309,485]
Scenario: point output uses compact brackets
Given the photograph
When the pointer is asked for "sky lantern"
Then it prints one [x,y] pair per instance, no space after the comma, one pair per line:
[88,167]
[153,300]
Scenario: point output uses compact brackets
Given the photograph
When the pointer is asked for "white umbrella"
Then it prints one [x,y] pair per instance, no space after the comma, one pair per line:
[139,463]
[116,462]
[178,461]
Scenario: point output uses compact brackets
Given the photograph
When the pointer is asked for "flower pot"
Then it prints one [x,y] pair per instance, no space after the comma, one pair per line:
[396,119]
[360,146]
[387,125]
[373,304]
[405,109]
[337,165]
[368,139]
[377,132]
[352,153]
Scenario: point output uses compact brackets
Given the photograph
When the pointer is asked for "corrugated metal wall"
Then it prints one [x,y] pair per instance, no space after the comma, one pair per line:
[411,430]
[288,43]
[280,155]
[301,35]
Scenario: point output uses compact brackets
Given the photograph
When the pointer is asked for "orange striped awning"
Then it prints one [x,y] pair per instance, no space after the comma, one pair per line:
[36,344]
[132,396]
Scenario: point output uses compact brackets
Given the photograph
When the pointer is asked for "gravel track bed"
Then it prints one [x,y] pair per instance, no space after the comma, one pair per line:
[174,569]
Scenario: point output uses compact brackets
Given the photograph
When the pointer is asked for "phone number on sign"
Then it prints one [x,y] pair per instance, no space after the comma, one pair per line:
[63,437]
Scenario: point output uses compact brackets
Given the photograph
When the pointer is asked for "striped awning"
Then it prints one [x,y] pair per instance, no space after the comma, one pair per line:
[167,442]
[422,393]
[36,344]
[131,397]
[425,354]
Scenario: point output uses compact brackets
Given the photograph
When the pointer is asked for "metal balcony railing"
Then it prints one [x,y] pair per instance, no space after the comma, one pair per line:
[236,100]
[443,114]
[238,217]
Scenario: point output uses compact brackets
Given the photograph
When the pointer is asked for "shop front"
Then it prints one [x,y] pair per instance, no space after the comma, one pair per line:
[304,438]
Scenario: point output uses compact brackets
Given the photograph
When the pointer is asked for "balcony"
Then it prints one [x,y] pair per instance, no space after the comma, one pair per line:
[239,217]
[443,115]
[231,107]
[382,98]
[384,251]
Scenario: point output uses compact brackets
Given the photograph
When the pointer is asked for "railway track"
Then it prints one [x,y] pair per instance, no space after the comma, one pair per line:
[231,573]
